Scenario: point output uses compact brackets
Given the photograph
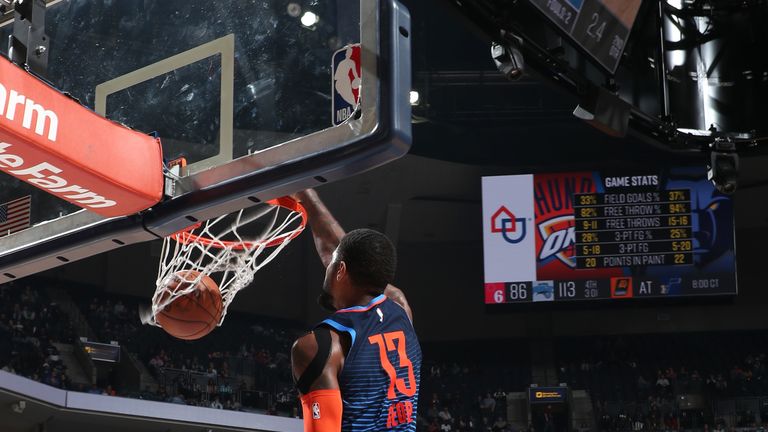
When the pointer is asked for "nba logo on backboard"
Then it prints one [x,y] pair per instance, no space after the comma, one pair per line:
[621,287]
[346,82]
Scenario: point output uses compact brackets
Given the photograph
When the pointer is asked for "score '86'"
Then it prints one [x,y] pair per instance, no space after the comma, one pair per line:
[517,291]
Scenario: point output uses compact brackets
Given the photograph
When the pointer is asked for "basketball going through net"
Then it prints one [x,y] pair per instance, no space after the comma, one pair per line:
[204,267]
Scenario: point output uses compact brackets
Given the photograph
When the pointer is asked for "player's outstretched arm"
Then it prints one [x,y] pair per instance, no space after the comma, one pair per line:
[328,233]
[325,228]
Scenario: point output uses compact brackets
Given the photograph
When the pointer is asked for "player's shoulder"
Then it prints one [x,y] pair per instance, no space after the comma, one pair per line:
[304,348]
[322,343]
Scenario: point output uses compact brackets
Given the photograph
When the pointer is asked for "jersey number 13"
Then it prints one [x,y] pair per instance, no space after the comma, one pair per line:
[395,341]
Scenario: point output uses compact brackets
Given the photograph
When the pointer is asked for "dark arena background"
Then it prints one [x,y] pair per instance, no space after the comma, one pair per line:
[581,225]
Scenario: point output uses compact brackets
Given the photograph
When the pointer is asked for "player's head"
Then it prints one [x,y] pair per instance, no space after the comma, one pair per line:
[348,52]
[369,258]
[363,264]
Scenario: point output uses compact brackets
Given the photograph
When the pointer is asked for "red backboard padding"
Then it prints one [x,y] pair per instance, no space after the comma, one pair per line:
[52,142]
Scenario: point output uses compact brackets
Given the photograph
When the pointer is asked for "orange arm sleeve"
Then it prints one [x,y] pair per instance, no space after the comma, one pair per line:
[322,411]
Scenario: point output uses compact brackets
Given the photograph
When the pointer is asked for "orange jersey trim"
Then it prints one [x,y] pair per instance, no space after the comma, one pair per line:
[322,410]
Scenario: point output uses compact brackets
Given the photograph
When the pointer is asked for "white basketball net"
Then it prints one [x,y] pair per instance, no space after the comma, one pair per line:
[220,249]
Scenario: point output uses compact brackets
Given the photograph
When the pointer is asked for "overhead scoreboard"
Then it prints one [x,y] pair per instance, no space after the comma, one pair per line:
[606,235]
[599,27]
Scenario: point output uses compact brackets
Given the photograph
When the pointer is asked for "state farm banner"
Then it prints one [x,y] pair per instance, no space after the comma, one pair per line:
[52,142]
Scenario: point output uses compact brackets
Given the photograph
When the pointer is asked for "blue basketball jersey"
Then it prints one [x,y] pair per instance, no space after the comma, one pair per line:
[380,379]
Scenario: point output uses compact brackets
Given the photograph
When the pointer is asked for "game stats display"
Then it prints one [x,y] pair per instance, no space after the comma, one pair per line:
[606,235]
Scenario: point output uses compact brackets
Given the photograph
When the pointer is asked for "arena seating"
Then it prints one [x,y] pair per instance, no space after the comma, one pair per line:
[635,382]
[668,380]
[29,325]
[467,389]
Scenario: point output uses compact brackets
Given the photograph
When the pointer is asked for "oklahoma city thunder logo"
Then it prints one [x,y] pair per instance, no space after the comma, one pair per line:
[555,229]
[512,229]
[559,236]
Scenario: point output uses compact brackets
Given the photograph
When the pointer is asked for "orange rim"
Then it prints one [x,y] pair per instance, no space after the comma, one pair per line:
[186,237]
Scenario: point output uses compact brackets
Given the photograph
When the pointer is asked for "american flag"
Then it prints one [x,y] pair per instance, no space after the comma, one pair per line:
[14,215]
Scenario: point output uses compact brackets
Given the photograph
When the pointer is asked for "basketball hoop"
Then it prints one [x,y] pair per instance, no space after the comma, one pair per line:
[229,249]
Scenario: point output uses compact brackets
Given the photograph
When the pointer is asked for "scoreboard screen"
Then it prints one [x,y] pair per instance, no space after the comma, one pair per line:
[605,235]
[600,27]
[102,352]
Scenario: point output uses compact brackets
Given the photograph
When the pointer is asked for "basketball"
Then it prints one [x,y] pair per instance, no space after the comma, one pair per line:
[192,315]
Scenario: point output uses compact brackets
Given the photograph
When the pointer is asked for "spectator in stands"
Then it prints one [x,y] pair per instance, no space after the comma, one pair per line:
[196,366]
[500,405]
[225,388]
[487,406]
[157,361]
[434,371]
[216,404]
[120,309]
[500,425]
[462,424]
[445,426]
[233,405]
[28,314]
[671,422]
[549,419]
[211,372]
[178,399]
[433,427]
[721,385]
[435,403]
[643,386]
[662,383]
[445,415]
[736,373]
[638,425]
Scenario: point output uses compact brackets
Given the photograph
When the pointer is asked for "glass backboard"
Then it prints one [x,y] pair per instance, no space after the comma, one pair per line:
[242,89]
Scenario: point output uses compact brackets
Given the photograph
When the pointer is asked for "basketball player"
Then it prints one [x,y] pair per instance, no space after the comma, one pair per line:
[359,369]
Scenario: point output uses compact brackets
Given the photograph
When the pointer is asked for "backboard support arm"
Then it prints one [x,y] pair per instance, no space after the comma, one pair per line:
[28,44]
